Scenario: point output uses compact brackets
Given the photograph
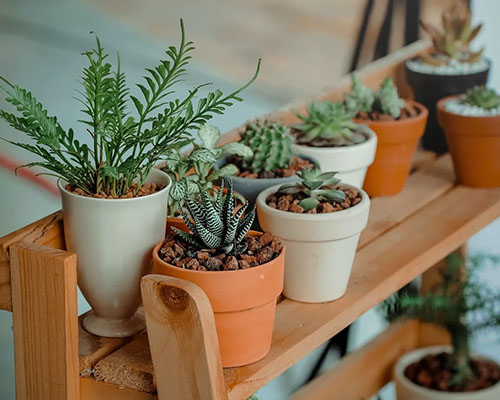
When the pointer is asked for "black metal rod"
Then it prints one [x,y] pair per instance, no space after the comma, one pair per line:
[384,36]
[361,35]
[412,16]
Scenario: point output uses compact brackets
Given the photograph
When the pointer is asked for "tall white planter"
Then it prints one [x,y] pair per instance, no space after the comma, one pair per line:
[320,247]
[113,240]
[351,162]
[407,390]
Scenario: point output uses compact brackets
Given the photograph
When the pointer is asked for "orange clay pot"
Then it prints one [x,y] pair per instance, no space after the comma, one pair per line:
[244,303]
[474,144]
[397,142]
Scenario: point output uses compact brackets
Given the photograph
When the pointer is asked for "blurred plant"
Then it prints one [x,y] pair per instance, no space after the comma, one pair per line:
[124,147]
[481,96]
[459,303]
[454,42]
[194,172]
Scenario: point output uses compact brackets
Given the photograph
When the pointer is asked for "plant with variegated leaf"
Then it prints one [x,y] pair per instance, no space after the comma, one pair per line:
[453,43]
[194,172]
[481,96]
[316,186]
[216,225]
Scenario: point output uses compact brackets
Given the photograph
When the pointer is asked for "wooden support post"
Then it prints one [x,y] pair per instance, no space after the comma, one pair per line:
[45,315]
[183,340]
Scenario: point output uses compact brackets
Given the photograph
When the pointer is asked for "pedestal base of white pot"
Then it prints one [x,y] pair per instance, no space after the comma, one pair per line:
[106,327]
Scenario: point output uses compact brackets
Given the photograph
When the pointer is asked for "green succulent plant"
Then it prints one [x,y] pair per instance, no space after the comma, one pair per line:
[216,225]
[385,100]
[331,122]
[201,160]
[481,96]
[316,186]
[271,143]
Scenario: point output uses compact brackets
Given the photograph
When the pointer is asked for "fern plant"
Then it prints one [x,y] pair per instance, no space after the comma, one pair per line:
[125,145]
[459,303]
[216,225]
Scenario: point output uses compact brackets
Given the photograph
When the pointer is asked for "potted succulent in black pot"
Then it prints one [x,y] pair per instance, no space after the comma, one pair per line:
[451,67]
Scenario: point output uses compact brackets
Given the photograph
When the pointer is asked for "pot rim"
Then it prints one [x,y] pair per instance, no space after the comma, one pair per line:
[488,61]
[157,258]
[371,141]
[421,115]
[441,103]
[333,216]
[61,182]
[407,358]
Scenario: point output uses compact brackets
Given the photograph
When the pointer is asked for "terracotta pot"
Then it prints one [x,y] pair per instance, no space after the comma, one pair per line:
[397,142]
[350,162]
[407,390]
[320,247]
[244,303]
[474,144]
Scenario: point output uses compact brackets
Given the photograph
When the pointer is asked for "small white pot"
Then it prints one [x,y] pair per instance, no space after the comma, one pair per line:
[351,162]
[407,390]
[320,247]
[113,239]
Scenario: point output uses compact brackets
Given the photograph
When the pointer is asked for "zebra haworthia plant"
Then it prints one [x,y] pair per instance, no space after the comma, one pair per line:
[216,225]
[316,186]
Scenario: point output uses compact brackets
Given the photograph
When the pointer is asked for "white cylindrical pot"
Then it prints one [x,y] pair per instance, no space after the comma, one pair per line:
[351,162]
[113,240]
[407,390]
[320,247]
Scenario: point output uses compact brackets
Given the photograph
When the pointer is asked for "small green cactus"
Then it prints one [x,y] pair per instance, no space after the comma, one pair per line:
[361,98]
[481,96]
[330,121]
[271,143]
[216,225]
[316,186]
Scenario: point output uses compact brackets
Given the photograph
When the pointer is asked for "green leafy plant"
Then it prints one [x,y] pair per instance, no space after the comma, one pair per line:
[329,122]
[481,96]
[453,42]
[316,186]
[271,143]
[124,146]
[216,225]
[194,172]
[384,101]
[459,303]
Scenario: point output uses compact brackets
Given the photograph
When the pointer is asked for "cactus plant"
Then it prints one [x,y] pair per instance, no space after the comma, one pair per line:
[216,225]
[361,97]
[316,186]
[271,143]
[454,42]
[481,96]
[329,123]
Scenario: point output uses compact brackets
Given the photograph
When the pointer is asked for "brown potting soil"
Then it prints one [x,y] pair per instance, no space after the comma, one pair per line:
[290,202]
[144,190]
[433,372]
[296,164]
[260,250]
[408,111]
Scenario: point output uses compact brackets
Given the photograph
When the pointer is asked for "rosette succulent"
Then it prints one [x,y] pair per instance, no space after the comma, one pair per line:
[481,96]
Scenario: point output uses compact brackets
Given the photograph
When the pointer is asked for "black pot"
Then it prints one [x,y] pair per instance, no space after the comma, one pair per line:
[429,89]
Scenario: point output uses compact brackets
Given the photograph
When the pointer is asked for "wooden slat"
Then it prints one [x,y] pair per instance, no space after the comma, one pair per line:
[44,301]
[380,268]
[363,372]
[47,231]
[183,339]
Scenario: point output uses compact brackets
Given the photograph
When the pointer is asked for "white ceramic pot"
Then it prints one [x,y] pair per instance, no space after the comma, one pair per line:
[320,247]
[113,239]
[351,162]
[407,390]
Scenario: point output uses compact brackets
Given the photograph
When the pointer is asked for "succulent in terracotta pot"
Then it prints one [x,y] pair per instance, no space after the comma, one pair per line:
[317,216]
[451,67]
[329,135]
[241,271]
[398,123]
[461,305]
[471,122]
[114,200]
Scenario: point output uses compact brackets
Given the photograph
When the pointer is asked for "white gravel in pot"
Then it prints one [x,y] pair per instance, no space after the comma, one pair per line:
[458,106]
[454,67]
